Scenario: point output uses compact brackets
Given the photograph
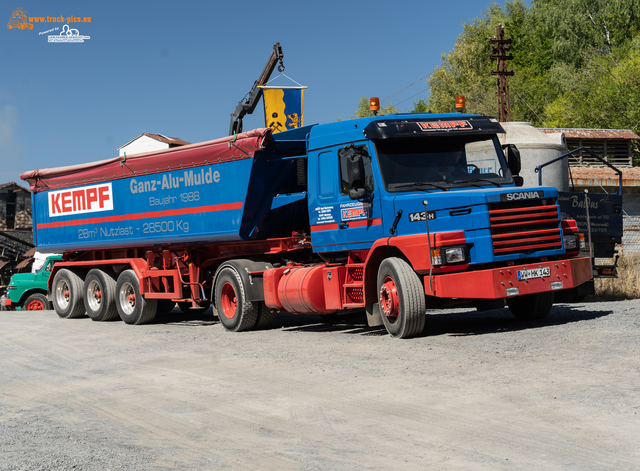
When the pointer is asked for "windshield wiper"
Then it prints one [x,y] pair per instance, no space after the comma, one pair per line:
[417,185]
[472,180]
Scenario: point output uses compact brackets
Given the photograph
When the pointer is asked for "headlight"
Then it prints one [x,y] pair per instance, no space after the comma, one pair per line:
[449,255]
[570,242]
[455,255]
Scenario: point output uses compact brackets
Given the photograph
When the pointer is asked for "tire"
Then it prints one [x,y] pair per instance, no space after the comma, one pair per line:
[67,289]
[186,308]
[531,306]
[236,314]
[266,317]
[100,296]
[132,307]
[401,297]
[36,302]
[164,305]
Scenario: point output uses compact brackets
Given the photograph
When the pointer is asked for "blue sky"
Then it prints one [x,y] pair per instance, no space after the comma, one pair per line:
[180,68]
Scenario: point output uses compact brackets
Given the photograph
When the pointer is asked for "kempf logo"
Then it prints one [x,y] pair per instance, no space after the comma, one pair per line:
[68,35]
[18,20]
[88,199]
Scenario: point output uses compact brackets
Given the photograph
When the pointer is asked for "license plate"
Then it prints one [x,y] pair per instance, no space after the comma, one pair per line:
[534,273]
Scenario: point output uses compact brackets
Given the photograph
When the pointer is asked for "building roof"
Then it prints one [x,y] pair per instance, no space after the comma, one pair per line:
[596,176]
[9,184]
[172,141]
[575,133]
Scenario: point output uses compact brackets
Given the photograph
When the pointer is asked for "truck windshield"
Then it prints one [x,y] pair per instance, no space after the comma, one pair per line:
[451,162]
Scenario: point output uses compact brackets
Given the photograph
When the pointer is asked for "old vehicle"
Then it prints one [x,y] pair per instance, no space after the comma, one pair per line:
[391,214]
[28,291]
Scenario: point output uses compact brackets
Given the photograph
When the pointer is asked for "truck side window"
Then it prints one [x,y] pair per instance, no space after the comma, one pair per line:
[327,174]
[368,172]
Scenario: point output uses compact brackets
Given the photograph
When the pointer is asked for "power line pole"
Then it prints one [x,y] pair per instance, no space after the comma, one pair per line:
[500,53]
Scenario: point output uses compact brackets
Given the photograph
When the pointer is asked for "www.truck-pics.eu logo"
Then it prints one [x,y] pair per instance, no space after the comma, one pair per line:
[87,199]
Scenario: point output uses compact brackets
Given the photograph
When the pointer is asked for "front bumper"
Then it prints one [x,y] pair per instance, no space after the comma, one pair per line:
[502,282]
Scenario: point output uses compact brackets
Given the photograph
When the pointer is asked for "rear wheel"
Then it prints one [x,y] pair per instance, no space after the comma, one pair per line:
[36,302]
[100,296]
[234,311]
[531,306]
[266,317]
[132,307]
[67,289]
[401,298]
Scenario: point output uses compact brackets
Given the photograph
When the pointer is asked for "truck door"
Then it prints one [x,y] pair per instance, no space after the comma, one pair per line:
[339,223]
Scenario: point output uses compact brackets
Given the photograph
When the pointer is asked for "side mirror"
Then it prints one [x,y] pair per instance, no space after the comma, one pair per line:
[519,181]
[357,193]
[355,170]
[513,158]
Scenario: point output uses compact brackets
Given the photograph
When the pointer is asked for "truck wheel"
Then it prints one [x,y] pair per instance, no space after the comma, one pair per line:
[36,302]
[100,296]
[186,308]
[132,306]
[67,291]
[401,297]
[531,306]
[234,311]
[266,317]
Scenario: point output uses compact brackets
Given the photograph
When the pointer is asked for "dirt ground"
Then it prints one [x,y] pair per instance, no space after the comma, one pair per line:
[477,391]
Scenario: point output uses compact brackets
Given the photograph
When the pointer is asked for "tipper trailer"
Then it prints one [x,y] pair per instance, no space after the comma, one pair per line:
[391,214]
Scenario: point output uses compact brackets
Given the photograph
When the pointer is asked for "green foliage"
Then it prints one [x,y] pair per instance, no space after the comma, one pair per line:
[576,64]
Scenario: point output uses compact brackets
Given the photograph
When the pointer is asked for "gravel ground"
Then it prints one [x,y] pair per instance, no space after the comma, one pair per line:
[476,391]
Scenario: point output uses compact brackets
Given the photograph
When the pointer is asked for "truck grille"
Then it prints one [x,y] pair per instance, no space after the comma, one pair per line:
[524,226]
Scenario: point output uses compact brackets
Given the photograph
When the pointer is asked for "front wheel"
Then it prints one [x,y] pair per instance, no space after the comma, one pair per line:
[531,306]
[132,307]
[36,302]
[401,298]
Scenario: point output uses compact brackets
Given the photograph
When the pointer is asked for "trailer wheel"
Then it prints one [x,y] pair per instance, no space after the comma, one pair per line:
[67,291]
[36,302]
[401,297]
[234,311]
[164,305]
[100,296]
[132,306]
[531,306]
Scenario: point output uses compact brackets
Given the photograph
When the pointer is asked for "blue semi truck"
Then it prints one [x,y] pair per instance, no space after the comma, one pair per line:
[390,214]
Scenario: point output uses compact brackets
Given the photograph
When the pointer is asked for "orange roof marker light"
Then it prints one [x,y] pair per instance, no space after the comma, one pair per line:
[459,102]
[374,104]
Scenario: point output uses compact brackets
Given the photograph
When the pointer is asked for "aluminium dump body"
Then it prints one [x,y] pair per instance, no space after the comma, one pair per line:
[189,194]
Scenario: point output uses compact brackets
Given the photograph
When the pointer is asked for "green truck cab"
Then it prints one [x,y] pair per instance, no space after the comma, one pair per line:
[28,291]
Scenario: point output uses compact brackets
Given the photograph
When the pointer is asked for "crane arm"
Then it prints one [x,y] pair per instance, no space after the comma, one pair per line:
[246,106]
